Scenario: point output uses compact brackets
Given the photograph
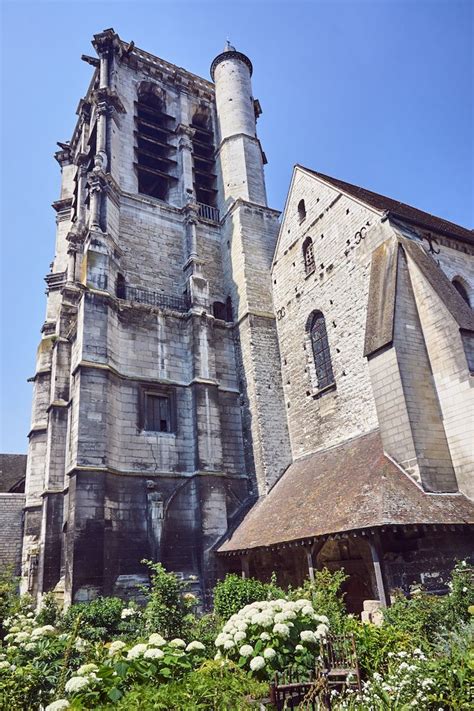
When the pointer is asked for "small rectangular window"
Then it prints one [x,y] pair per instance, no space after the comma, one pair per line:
[156,411]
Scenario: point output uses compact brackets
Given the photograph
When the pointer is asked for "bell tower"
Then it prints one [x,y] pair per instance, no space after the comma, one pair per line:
[249,233]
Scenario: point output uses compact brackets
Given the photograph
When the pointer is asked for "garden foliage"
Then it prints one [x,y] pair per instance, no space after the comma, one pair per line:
[111,655]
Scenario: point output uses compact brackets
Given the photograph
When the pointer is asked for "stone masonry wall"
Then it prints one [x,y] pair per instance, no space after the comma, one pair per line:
[454,382]
[339,288]
[11,530]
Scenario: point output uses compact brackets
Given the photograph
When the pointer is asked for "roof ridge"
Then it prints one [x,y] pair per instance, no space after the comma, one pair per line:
[399,209]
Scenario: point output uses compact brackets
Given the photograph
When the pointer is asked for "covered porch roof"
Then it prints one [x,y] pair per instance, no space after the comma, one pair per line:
[352,486]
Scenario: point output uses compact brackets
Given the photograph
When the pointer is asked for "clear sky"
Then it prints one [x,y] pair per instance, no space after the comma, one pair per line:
[378,93]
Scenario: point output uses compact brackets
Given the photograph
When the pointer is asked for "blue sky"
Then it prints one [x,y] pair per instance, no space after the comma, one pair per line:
[378,93]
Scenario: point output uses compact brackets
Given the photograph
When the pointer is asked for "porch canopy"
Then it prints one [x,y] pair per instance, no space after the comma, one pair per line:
[347,488]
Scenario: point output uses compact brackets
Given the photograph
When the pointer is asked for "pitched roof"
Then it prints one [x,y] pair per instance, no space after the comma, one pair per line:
[351,486]
[12,471]
[400,210]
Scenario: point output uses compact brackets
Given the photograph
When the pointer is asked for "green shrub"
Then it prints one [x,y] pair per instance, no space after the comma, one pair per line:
[50,610]
[100,618]
[8,597]
[167,604]
[420,616]
[213,687]
[461,596]
[234,592]
[375,644]
[326,596]
[205,629]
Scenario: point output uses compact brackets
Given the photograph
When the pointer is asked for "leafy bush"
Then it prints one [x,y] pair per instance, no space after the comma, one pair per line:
[205,629]
[213,687]
[8,597]
[423,616]
[101,619]
[269,635]
[234,592]
[50,611]
[33,661]
[168,602]
[326,596]
[376,644]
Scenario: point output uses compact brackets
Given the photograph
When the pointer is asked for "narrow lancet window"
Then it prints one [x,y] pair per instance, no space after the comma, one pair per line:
[461,289]
[308,255]
[321,353]
[204,164]
[155,155]
[301,210]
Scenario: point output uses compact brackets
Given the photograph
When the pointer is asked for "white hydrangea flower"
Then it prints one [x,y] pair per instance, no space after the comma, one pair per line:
[87,669]
[220,639]
[80,645]
[156,640]
[308,611]
[246,650]
[257,663]
[269,653]
[228,644]
[239,636]
[195,645]
[265,637]
[308,636]
[154,653]
[177,642]
[21,637]
[4,665]
[299,648]
[322,618]
[30,647]
[322,630]
[128,612]
[116,647]
[76,683]
[136,651]
[217,656]
[281,629]
[58,705]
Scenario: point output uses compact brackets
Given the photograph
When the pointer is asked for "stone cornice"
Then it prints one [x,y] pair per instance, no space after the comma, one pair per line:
[85,364]
[156,473]
[230,54]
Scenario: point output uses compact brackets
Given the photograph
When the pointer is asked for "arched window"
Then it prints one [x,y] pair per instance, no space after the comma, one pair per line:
[301,210]
[308,256]
[321,353]
[461,289]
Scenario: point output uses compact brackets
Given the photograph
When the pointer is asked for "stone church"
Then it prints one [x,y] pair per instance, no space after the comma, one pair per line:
[222,388]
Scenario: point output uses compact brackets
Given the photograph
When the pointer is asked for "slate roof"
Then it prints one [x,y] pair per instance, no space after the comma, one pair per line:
[349,487]
[12,471]
[400,210]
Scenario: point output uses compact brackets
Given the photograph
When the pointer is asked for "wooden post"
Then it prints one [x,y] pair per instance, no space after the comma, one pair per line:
[244,559]
[309,558]
[376,560]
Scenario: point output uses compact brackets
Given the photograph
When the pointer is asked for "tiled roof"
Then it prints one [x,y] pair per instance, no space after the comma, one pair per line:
[12,470]
[400,209]
[352,486]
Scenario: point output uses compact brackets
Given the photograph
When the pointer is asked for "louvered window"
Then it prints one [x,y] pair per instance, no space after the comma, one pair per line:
[155,155]
[204,163]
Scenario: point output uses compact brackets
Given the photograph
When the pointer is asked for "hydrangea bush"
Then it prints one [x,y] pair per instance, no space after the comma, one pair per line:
[269,635]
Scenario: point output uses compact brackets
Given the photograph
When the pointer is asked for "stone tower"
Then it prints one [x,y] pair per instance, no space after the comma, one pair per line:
[158,411]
